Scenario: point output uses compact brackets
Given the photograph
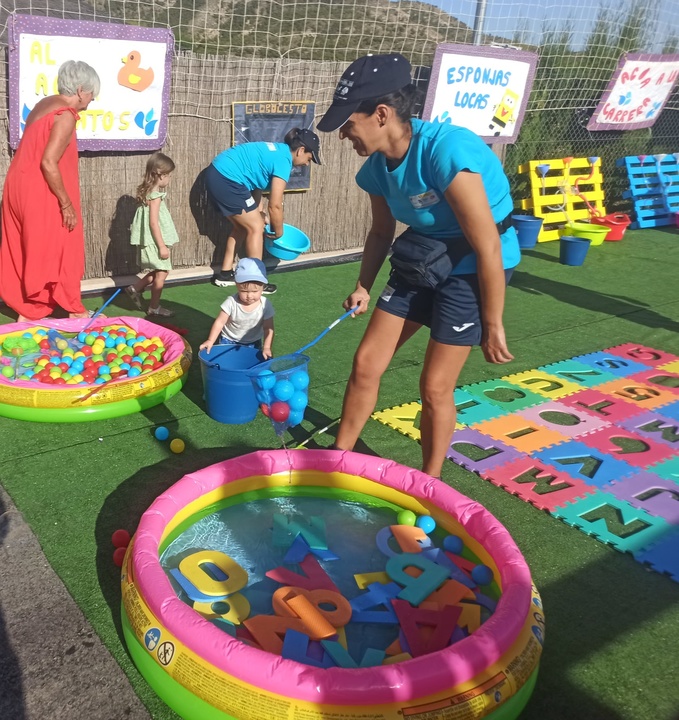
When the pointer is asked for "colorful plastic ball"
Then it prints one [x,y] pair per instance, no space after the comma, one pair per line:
[406,517]
[298,401]
[426,523]
[280,411]
[482,575]
[265,409]
[283,390]
[133,372]
[453,544]
[161,433]
[295,417]
[119,556]
[7,371]
[266,379]
[120,538]
[177,446]
[300,379]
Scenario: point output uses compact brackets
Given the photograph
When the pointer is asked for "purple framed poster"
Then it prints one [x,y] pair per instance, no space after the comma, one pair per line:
[484,89]
[134,65]
[637,92]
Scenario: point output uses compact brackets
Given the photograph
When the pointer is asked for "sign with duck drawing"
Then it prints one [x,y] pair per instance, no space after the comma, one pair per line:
[484,89]
[636,93]
[133,63]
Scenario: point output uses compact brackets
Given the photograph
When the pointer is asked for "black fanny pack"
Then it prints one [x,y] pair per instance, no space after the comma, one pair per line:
[425,261]
[420,260]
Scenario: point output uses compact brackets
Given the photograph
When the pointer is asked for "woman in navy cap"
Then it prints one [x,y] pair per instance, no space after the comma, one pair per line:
[450,267]
[235,181]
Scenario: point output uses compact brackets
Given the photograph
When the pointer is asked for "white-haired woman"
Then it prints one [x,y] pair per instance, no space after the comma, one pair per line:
[42,255]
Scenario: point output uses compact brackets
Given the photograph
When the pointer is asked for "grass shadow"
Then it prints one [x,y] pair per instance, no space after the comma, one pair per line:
[124,507]
[591,300]
[633,598]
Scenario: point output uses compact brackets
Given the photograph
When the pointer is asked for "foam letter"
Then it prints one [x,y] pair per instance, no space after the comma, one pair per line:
[415,590]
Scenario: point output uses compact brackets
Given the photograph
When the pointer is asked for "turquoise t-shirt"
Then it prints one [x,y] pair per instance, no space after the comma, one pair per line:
[415,190]
[254,164]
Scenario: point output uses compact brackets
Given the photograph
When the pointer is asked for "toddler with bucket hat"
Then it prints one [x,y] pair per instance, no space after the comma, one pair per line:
[245,318]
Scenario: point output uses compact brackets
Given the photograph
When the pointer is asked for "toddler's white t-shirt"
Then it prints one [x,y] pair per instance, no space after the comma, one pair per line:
[245,327]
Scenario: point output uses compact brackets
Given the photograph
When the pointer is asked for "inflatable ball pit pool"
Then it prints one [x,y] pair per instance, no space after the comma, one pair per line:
[158,360]
[206,665]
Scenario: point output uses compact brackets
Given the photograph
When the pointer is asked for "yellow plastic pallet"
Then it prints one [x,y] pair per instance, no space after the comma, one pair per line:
[555,197]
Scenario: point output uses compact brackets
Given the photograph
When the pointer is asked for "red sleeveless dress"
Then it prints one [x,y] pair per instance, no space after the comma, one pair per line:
[41,262]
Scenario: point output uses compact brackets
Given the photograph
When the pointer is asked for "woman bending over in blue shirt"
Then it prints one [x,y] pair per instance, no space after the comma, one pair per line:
[235,181]
[450,189]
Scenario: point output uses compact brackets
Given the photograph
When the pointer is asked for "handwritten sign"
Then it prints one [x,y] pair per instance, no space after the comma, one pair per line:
[483,89]
[134,66]
[269,121]
[637,92]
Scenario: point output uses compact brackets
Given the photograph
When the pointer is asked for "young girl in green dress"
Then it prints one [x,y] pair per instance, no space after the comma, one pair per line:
[154,233]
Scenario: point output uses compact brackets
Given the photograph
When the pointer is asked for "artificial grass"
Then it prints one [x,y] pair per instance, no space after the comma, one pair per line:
[612,625]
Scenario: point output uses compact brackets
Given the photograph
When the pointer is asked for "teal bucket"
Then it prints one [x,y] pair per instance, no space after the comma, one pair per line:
[527,229]
[573,250]
[228,392]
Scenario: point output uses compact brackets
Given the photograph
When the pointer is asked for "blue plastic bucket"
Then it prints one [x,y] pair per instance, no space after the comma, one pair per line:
[289,245]
[527,228]
[229,395]
[573,250]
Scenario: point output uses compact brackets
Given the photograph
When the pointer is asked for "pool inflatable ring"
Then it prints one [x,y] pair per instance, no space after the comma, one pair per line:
[203,673]
[25,400]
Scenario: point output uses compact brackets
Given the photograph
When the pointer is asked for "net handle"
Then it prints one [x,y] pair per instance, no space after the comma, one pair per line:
[327,330]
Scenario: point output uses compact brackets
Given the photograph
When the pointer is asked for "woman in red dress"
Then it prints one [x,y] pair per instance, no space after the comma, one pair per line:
[42,255]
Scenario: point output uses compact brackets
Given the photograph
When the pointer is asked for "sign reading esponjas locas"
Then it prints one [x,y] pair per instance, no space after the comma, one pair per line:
[133,63]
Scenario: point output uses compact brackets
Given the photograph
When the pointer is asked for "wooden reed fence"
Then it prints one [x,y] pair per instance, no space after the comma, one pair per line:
[334,212]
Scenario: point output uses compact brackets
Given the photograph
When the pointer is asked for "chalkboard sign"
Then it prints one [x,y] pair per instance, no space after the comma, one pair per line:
[269,121]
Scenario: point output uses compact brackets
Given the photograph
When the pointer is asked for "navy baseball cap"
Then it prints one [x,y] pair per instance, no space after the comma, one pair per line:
[311,143]
[368,77]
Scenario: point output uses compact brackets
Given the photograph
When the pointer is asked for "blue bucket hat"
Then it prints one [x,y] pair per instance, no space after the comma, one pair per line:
[250,270]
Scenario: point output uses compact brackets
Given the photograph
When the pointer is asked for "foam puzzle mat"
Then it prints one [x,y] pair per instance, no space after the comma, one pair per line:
[593,440]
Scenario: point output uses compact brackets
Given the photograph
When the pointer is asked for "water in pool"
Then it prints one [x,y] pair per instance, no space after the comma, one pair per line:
[244,532]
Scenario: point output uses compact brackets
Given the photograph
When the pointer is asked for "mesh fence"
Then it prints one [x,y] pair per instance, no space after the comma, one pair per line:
[296,49]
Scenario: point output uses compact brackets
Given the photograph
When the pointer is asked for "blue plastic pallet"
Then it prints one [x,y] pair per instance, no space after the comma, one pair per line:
[654,188]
